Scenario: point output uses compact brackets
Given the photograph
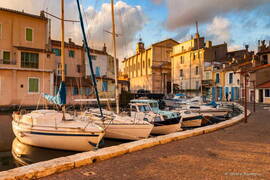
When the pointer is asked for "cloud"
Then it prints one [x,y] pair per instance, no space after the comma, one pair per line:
[184,12]
[182,34]
[129,21]
[234,47]
[219,30]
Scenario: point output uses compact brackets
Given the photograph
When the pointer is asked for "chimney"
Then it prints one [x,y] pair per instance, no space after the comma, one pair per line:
[246,46]
[42,14]
[208,44]
[104,48]
[69,40]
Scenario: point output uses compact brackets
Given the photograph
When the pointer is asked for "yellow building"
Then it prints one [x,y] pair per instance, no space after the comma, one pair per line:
[150,69]
[26,63]
[191,58]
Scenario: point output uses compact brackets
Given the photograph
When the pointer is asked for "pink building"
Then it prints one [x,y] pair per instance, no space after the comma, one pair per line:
[26,63]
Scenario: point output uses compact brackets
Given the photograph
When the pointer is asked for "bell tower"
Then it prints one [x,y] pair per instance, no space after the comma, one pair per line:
[140,46]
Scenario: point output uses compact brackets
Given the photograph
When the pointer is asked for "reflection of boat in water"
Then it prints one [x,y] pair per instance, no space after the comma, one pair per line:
[26,154]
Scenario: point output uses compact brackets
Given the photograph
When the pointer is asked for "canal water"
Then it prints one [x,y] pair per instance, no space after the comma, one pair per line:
[14,154]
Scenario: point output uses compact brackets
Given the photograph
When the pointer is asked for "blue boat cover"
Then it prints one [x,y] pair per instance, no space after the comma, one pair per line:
[60,98]
[212,103]
[180,95]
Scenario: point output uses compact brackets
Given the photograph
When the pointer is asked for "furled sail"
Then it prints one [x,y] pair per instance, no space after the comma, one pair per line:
[60,98]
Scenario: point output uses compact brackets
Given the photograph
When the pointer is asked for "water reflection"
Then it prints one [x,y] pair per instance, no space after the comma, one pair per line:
[26,154]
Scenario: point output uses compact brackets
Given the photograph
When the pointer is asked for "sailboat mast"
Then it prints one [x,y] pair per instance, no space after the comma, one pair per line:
[62,42]
[115,60]
[87,49]
[200,64]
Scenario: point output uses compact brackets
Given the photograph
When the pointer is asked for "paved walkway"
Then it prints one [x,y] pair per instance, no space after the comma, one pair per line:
[238,152]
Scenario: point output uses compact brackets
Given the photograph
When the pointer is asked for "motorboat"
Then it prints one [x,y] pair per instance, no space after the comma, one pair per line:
[164,122]
[175,100]
[56,130]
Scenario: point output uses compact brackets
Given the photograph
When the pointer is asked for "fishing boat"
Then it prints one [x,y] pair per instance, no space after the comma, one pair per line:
[57,129]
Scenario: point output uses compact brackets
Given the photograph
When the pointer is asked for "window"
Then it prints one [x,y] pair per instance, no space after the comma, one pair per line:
[230,78]
[267,92]
[71,53]
[182,60]
[33,85]
[29,34]
[81,91]
[98,71]
[197,84]
[264,59]
[194,56]
[75,91]
[6,57]
[59,69]
[56,51]
[181,73]
[217,78]
[87,91]
[207,75]
[78,68]
[197,70]
[149,62]
[29,60]
[104,86]
[93,57]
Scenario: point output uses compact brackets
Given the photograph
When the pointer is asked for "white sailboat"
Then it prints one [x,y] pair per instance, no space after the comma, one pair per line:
[115,126]
[54,129]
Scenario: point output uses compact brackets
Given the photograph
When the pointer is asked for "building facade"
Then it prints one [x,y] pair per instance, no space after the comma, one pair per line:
[103,66]
[150,69]
[191,59]
[26,62]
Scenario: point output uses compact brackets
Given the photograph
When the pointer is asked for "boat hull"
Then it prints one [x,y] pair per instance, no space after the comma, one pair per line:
[166,129]
[127,131]
[55,139]
[192,123]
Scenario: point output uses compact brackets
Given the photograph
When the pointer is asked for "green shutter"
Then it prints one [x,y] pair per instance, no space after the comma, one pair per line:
[33,85]
[6,57]
[29,34]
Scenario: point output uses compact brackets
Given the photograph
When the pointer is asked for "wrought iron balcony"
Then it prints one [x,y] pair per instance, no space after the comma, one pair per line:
[5,61]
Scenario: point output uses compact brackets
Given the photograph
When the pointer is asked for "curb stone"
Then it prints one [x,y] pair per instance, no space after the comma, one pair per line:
[57,165]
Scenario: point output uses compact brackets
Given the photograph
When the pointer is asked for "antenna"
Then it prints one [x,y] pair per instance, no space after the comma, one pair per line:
[197,27]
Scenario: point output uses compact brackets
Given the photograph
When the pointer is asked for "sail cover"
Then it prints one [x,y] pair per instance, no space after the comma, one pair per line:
[60,98]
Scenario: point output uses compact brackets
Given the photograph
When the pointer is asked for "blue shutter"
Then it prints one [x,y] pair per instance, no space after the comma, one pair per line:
[232,97]
[104,86]
[87,91]
[97,71]
[213,93]
[220,93]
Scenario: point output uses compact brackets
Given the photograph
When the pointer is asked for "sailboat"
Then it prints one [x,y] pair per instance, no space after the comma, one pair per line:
[116,126]
[57,129]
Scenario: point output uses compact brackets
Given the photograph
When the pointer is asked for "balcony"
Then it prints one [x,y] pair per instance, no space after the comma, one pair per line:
[9,62]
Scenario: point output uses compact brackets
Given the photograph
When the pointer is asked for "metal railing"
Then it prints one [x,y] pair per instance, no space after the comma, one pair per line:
[10,62]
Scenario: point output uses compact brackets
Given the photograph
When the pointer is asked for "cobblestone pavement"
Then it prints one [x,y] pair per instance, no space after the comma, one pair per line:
[238,152]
